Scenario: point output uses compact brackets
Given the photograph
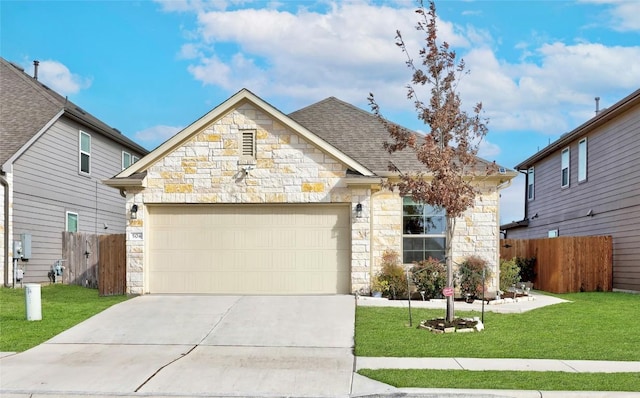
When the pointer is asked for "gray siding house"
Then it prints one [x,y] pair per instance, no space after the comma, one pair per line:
[588,183]
[53,158]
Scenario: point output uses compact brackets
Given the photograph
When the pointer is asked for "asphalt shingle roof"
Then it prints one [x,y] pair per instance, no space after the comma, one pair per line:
[357,133]
[26,106]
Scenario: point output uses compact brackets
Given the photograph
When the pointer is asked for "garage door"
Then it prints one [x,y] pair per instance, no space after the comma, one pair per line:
[279,249]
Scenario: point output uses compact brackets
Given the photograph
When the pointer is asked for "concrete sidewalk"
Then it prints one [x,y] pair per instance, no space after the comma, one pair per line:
[536,365]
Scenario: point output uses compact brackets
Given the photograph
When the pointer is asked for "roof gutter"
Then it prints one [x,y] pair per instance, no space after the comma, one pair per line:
[5,184]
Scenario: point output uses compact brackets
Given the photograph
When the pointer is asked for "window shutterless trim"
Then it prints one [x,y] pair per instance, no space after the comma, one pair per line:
[531,183]
[126,163]
[582,160]
[565,166]
[66,220]
[82,152]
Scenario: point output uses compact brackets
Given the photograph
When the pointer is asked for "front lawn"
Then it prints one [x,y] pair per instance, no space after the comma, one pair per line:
[63,306]
[506,380]
[594,326]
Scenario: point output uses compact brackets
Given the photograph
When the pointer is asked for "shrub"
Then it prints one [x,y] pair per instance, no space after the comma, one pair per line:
[393,273]
[527,268]
[509,274]
[378,285]
[470,275]
[429,276]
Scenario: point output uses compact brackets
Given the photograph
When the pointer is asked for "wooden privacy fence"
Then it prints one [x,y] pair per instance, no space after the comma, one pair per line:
[96,261]
[566,264]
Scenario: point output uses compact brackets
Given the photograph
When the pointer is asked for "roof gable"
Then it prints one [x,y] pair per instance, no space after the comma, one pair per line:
[29,107]
[220,111]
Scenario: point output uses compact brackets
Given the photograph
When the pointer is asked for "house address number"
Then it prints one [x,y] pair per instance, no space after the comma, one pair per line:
[136,236]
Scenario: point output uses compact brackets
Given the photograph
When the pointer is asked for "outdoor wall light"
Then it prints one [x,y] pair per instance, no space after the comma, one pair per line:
[134,212]
[359,210]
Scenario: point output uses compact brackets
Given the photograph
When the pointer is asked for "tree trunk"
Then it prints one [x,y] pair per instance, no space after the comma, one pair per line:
[451,226]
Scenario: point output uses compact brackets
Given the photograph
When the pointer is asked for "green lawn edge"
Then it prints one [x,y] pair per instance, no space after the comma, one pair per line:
[592,326]
[63,306]
[505,380]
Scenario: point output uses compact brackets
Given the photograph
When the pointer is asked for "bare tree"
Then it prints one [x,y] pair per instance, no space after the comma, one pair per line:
[449,149]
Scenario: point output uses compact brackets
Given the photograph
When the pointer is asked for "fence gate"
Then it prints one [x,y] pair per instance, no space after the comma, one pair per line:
[112,271]
[95,261]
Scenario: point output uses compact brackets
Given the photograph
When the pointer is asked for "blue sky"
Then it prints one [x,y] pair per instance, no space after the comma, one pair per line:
[150,68]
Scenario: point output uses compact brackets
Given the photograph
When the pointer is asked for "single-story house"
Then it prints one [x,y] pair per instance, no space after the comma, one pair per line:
[248,200]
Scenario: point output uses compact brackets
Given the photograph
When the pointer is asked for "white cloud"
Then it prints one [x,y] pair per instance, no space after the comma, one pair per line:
[348,51]
[153,136]
[308,55]
[554,92]
[488,150]
[624,14]
[60,79]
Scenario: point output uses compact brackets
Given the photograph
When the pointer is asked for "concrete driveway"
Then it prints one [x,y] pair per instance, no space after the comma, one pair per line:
[197,345]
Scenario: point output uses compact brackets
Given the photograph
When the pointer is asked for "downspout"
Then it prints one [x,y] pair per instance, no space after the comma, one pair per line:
[5,184]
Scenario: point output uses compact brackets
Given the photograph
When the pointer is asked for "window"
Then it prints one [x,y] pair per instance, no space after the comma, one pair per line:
[582,160]
[248,143]
[126,160]
[423,231]
[565,167]
[72,222]
[530,183]
[85,153]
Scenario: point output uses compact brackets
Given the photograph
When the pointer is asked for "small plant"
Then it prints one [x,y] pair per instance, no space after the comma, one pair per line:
[527,268]
[429,276]
[470,276]
[509,274]
[379,286]
[393,274]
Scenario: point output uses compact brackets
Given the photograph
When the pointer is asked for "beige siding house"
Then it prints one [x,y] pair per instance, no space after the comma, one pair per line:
[53,158]
[248,200]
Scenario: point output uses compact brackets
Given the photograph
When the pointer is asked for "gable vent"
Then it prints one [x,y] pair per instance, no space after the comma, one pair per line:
[248,143]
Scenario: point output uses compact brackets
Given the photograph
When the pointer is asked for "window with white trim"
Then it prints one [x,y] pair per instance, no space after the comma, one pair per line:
[423,231]
[582,160]
[71,223]
[85,153]
[564,174]
[530,183]
[126,160]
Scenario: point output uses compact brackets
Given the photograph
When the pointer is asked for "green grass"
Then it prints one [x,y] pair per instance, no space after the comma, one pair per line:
[506,380]
[63,306]
[595,326]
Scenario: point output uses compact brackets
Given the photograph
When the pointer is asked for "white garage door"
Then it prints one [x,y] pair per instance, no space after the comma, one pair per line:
[249,249]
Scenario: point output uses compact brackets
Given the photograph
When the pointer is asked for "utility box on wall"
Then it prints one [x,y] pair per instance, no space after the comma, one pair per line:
[26,246]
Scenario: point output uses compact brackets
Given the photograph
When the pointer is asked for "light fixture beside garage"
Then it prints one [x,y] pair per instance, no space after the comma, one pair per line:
[134,212]
[359,210]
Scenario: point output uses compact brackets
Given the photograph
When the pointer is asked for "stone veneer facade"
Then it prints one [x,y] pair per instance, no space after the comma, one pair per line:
[287,169]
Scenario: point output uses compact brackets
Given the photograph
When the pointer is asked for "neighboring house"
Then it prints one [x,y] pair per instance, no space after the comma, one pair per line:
[53,158]
[248,200]
[588,183]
